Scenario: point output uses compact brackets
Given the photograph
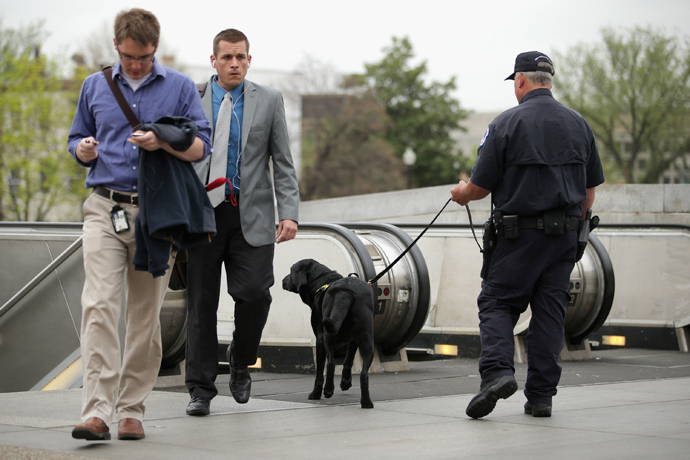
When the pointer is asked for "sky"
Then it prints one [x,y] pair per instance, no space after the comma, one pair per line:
[474,41]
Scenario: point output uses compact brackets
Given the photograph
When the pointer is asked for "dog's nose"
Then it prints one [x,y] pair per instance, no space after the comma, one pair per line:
[286,282]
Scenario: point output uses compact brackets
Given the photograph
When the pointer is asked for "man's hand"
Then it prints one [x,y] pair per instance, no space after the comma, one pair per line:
[459,193]
[287,229]
[86,150]
[465,192]
[149,141]
[146,140]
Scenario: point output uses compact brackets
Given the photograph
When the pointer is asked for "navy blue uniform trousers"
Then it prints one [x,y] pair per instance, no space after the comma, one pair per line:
[533,269]
[249,273]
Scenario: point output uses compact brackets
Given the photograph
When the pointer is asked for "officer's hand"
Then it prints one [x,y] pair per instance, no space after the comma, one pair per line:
[86,150]
[287,229]
[459,193]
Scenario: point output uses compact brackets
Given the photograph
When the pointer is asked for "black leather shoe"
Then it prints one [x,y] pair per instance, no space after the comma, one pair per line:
[198,406]
[484,402]
[240,381]
[538,410]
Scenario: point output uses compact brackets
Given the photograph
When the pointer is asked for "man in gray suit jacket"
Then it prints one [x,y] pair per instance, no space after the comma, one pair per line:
[249,126]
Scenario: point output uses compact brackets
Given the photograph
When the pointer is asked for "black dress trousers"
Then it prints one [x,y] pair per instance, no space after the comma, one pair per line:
[249,272]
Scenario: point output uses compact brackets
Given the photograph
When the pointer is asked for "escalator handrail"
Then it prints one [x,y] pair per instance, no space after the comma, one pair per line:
[424,294]
[360,251]
[607,295]
[41,276]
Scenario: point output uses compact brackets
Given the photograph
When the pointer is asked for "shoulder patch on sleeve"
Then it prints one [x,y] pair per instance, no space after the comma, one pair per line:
[486,134]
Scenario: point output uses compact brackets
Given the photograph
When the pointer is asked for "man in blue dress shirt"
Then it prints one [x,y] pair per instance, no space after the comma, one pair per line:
[101,139]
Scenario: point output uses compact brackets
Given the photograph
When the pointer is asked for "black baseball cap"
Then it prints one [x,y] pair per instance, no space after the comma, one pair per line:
[532,61]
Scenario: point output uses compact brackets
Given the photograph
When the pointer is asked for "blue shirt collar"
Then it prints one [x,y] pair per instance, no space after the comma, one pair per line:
[157,70]
[219,92]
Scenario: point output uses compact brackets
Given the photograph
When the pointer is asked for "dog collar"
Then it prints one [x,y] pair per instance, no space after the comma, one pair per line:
[322,288]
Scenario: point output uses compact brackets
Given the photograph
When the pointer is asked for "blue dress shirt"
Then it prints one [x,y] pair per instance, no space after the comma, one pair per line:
[166,92]
[234,140]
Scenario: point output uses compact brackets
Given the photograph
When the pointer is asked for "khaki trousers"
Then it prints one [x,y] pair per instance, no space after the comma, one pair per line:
[112,385]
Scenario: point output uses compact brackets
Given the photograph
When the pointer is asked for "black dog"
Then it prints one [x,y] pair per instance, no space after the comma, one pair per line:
[342,312]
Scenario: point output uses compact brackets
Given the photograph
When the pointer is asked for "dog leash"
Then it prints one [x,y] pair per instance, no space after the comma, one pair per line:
[377,277]
[469,216]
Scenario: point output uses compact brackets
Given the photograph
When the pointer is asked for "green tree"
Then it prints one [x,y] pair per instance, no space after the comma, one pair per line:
[36,108]
[344,151]
[422,115]
[633,89]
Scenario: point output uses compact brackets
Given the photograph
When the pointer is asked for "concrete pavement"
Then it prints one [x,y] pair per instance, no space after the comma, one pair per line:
[622,404]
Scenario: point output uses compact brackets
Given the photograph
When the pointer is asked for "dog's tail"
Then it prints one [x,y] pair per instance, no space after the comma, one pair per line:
[335,317]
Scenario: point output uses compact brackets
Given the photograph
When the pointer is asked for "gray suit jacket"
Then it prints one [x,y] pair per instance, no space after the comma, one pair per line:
[264,144]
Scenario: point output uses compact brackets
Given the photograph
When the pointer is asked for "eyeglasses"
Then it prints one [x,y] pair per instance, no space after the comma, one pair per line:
[141,60]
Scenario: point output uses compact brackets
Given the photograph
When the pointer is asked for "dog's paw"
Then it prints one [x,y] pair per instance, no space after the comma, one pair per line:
[367,405]
[315,394]
[328,393]
[345,384]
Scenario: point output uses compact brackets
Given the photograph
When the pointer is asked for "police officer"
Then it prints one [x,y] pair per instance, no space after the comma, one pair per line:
[540,164]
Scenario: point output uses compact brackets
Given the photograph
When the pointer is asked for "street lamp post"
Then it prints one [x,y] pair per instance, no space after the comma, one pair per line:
[409,158]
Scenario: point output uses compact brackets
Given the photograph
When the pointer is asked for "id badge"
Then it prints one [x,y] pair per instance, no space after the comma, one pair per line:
[119,218]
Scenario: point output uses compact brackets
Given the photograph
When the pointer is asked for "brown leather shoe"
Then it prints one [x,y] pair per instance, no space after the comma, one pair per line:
[130,428]
[93,429]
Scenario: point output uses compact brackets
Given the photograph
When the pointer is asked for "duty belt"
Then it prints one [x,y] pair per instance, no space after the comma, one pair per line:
[571,223]
[552,222]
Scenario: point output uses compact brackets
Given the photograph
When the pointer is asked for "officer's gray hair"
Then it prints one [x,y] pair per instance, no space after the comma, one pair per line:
[539,78]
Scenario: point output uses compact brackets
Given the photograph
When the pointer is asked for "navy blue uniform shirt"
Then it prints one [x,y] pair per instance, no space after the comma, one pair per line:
[537,156]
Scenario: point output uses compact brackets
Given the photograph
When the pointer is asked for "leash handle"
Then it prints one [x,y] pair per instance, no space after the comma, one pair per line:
[377,277]
[469,216]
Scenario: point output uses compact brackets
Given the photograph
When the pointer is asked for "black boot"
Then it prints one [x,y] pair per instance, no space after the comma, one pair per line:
[484,402]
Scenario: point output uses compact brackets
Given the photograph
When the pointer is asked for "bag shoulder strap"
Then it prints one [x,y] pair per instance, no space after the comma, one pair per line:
[133,120]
